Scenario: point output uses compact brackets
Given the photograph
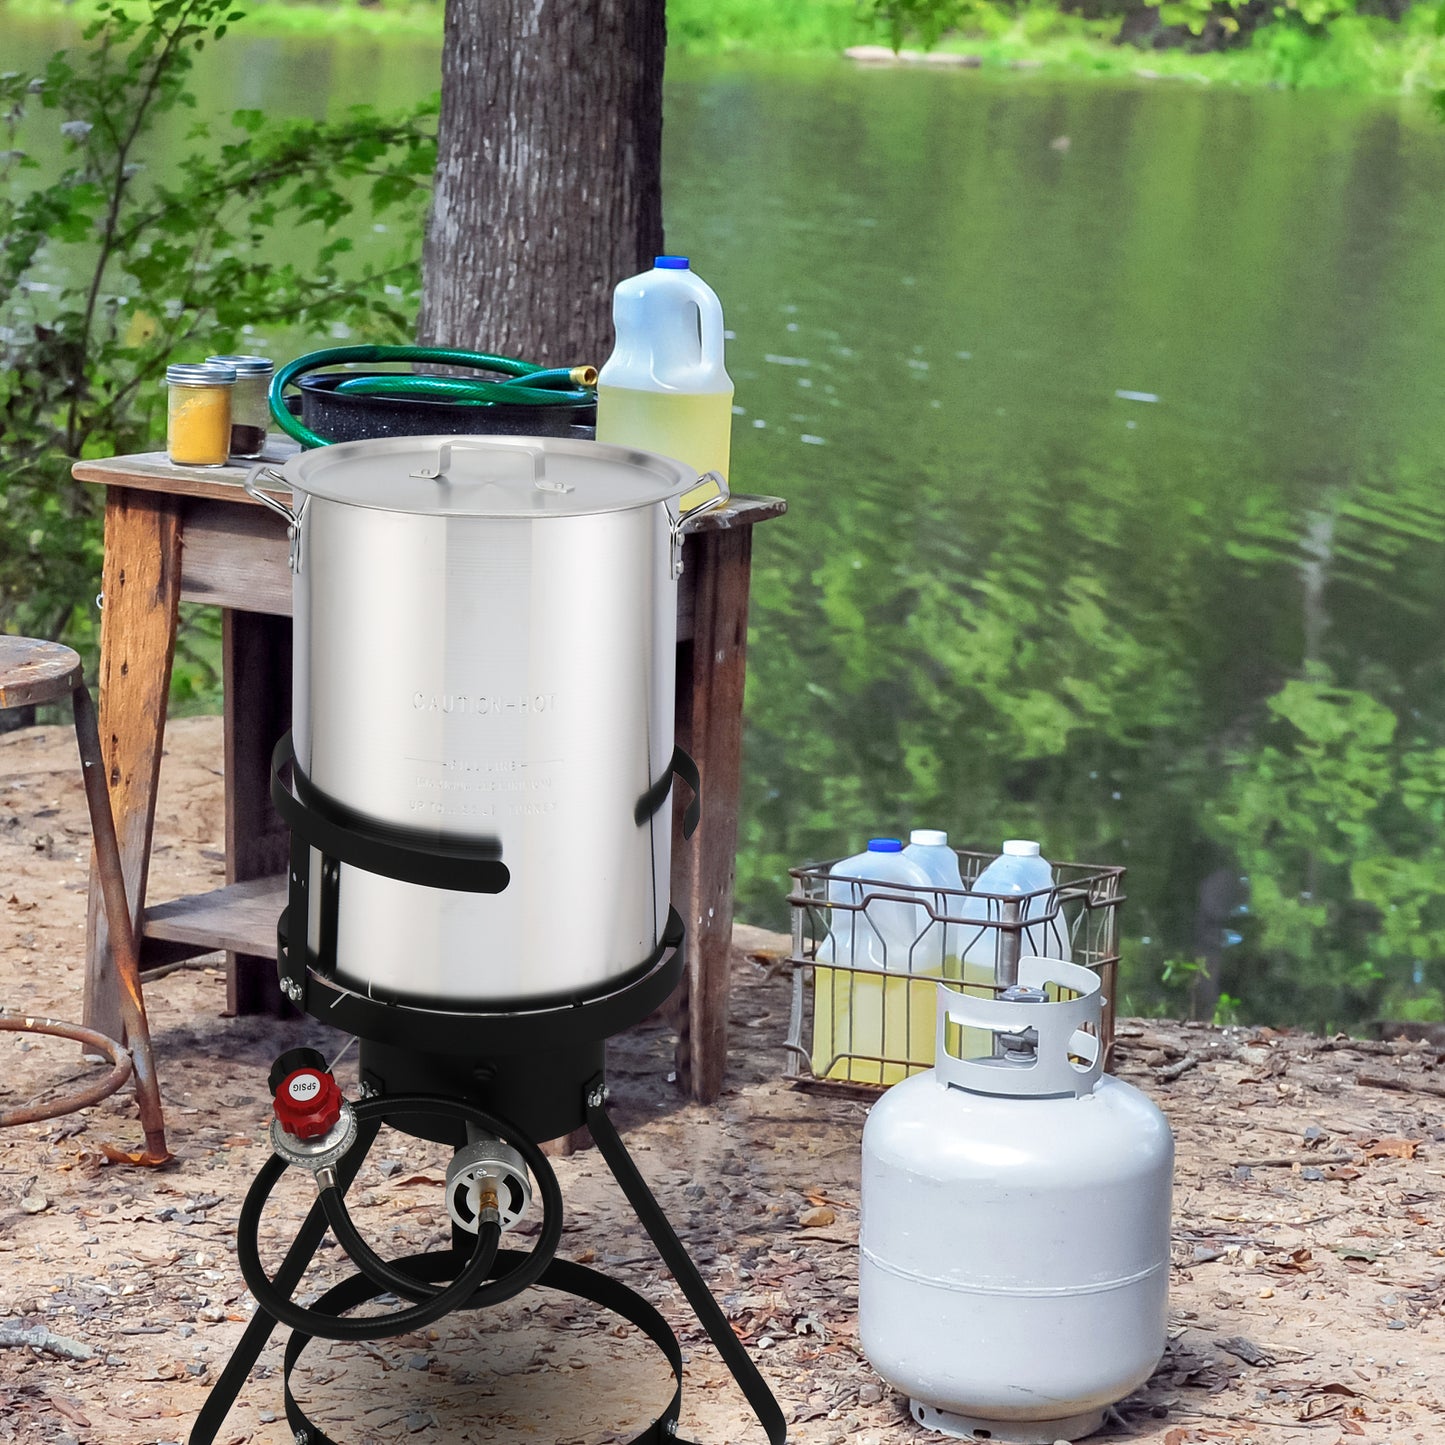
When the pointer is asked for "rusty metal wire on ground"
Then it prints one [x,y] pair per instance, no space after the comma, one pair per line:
[83,1098]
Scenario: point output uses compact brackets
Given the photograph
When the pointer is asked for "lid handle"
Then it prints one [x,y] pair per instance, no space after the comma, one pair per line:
[537,456]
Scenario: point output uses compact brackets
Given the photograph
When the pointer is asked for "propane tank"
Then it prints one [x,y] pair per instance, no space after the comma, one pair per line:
[1014,1242]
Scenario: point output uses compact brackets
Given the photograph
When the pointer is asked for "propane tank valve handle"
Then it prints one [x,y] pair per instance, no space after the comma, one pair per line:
[1024,1044]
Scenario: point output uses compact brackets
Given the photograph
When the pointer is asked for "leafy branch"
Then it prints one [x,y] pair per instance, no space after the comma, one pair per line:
[116,263]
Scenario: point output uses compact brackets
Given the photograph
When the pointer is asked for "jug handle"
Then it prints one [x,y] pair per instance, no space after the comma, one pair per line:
[709,315]
[710,493]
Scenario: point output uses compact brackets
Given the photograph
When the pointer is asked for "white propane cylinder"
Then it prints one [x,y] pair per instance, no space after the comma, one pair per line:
[1014,1242]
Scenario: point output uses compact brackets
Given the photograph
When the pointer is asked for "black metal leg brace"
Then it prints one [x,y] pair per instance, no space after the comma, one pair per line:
[232,1379]
[684,1271]
[560,1274]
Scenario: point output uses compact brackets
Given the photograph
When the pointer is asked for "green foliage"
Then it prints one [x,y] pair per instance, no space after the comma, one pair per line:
[1309,46]
[1336,819]
[926,21]
[109,270]
[1304,44]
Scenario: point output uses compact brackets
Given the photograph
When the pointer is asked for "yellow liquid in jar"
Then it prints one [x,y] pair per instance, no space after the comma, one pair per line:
[693,427]
[198,425]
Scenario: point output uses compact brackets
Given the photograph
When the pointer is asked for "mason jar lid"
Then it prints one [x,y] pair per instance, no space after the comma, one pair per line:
[244,365]
[488,476]
[207,375]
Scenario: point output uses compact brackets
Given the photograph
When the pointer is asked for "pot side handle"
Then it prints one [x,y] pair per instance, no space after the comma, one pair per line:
[709,493]
[252,486]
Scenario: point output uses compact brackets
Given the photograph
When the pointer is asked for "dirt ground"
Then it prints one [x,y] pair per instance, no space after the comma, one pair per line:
[1308,1299]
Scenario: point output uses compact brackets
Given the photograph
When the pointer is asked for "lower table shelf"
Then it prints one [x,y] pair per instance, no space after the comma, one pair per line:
[240,918]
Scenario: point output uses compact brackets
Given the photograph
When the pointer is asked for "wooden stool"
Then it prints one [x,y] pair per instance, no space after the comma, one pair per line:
[33,673]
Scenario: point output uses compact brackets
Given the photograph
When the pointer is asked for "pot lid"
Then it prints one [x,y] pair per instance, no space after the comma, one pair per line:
[488,476]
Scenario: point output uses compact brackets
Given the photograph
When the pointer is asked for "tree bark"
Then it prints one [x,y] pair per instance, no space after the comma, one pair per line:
[549,174]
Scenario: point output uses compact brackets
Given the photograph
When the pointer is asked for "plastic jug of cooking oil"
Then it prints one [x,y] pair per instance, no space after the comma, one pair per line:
[862,1006]
[1022,869]
[939,954]
[664,388]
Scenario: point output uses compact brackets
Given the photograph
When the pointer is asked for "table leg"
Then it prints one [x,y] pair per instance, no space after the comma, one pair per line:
[711,671]
[257,676]
[141,585]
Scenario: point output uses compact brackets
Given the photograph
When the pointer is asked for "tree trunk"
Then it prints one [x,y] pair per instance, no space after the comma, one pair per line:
[549,174]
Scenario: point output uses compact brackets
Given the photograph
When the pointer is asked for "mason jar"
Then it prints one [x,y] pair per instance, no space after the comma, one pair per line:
[198,414]
[250,404]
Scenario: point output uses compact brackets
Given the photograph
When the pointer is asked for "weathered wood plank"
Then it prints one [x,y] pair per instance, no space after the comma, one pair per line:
[236,557]
[240,917]
[141,586]
[155,472]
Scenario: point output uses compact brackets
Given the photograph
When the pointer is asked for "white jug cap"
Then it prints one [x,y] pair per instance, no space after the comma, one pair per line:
[929,837]
[1021,848]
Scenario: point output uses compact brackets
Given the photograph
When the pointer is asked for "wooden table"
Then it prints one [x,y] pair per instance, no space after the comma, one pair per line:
[176,534]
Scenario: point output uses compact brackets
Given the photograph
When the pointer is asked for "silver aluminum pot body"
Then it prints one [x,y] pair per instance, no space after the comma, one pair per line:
[506,677]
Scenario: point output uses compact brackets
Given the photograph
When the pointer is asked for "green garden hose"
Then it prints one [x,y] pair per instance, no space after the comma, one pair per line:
[526,384]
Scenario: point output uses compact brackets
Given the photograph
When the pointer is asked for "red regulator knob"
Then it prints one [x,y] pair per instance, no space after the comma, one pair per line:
[308,1102]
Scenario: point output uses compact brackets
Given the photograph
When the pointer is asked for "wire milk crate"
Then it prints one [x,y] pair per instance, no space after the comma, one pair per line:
[868,957]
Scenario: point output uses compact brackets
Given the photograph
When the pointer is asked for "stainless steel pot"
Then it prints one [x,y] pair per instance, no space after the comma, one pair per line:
[485,637]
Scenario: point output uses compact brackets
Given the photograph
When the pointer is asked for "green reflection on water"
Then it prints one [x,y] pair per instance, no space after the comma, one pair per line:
[1008,601]
[1195,635]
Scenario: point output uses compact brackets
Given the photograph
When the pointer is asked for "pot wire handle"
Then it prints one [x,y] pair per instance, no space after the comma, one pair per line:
[252,486]
[708,494]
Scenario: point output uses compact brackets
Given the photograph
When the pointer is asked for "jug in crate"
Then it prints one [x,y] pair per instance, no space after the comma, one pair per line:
[862,1000]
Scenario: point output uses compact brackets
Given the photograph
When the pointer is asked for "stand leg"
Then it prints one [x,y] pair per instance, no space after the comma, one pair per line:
[141,579]
[256,651]
[712,669]
[106,861]
[684,1271]
[232,1379]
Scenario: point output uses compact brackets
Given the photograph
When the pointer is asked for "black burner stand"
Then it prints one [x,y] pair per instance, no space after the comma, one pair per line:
[537,1070]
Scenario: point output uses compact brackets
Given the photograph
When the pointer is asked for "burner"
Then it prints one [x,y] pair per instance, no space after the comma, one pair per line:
[491,1083]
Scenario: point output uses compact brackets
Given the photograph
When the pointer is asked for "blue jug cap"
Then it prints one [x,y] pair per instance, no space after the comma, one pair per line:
[671,263]
[885,845]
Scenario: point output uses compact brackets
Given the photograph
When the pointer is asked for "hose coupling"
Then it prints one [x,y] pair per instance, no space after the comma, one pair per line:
[584,375]
[487,1183]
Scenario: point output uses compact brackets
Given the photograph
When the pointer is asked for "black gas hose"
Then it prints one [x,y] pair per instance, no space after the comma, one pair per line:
[468,1291]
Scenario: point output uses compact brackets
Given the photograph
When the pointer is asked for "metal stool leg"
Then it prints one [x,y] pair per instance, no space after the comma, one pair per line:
[120,925]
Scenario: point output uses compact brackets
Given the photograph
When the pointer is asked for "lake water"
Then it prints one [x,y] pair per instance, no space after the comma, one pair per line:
[1103,412]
